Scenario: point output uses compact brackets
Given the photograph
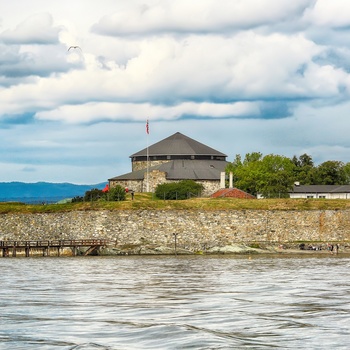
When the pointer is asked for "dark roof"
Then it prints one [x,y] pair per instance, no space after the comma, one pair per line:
[178,145]
[182,170]
[321,189]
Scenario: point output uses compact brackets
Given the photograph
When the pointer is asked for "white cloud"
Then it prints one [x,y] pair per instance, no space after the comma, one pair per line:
[246,66]
[265,75]
[206,16]
[36,29]
[97,112]
[335,13]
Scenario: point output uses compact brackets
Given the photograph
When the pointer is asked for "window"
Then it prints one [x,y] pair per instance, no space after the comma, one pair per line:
[309,196]
[321,196]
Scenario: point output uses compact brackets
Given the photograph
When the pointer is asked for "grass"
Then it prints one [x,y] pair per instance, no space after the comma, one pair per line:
[145,201]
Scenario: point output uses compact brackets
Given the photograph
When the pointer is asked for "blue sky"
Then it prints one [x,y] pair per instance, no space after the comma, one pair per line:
[240,76]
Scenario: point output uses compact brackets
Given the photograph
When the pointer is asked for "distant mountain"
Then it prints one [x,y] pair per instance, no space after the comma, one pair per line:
[42,191]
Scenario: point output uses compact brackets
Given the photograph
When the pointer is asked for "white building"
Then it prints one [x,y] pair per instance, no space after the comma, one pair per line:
[320,191]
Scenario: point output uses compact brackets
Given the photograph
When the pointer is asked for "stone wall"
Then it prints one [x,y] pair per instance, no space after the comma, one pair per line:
[156,177]
[195,230]
[139,165]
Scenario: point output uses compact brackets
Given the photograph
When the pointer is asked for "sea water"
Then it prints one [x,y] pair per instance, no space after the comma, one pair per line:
[183,302]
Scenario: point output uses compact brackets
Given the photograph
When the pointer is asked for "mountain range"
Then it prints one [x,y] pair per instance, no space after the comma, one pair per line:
[43,191]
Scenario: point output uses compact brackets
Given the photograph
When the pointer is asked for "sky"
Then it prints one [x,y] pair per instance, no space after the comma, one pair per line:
[241,76]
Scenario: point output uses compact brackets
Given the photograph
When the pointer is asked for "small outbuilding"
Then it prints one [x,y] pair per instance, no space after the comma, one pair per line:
[320,191]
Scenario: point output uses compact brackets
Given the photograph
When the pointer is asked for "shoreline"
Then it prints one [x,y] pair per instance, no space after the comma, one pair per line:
[144,249]
[231,252]
[232,249]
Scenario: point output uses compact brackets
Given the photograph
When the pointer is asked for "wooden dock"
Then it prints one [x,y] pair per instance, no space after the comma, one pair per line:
[11,248]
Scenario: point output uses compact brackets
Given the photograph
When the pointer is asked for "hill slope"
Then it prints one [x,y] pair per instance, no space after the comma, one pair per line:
[42,191]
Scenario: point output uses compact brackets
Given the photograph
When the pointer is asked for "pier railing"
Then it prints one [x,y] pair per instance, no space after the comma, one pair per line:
[46,245]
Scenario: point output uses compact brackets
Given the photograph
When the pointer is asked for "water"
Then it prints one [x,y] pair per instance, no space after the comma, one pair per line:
[197,302]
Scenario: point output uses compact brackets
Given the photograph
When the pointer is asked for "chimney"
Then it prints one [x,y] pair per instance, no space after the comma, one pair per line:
[231,180]
[222,180]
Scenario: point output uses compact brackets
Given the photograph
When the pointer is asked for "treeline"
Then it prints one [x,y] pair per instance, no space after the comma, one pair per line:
[177,190]
[114,194]
[273,176]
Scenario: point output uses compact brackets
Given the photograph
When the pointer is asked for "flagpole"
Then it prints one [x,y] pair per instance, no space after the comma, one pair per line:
[147,160]
[147,189]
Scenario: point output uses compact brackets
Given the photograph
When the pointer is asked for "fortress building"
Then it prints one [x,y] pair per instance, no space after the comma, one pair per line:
[176,158]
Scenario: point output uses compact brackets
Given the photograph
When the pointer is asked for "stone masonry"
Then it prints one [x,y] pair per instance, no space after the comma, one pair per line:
[196,230]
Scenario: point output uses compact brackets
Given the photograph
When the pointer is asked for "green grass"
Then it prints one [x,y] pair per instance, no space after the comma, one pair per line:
[145,201]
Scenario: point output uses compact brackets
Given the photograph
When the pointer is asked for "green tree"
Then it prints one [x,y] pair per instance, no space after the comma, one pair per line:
[274,175]
[233,167]
[277,176]
[252,158]
[304,169]
[331,172]
[178,190]
[306,160]
[347,173]
[271,176]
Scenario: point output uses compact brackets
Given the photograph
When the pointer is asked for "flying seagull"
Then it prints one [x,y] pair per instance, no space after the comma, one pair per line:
[74,47]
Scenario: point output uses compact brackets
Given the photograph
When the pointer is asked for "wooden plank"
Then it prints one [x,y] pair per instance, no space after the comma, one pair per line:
[45,245]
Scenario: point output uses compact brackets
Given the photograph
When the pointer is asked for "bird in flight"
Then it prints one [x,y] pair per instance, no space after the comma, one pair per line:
[74,47]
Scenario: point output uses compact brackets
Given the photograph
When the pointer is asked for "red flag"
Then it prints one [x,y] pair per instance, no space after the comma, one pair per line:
[147,127]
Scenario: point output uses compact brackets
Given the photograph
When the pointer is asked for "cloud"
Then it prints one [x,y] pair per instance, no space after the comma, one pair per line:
[36,29]
[39,62]
[246,67]
[265,75]
[325,13]
[206,16]
[98,112]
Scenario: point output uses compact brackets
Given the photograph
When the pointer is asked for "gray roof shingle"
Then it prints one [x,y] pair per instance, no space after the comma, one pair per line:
[321,189]
[179,145]
[182,170]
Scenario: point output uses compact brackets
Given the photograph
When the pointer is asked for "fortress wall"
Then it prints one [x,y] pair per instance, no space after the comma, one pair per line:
[195,230]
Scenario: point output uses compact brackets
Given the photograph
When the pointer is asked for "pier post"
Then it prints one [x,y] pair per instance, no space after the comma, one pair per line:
[9,248]
[27,250]
[175,243]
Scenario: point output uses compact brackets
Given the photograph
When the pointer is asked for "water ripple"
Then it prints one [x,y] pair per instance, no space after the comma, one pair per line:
[257,302]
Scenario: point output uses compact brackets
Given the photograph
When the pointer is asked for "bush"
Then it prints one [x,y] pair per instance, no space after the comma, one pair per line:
[116,193]
[93,195]
[77,199]
[178,190]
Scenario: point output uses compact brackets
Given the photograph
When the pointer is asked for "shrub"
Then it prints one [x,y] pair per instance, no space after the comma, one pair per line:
[77,199]
[93,195]
[116,193]
[178,190]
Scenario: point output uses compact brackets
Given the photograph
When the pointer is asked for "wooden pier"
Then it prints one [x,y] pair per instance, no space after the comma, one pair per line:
[11,248]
